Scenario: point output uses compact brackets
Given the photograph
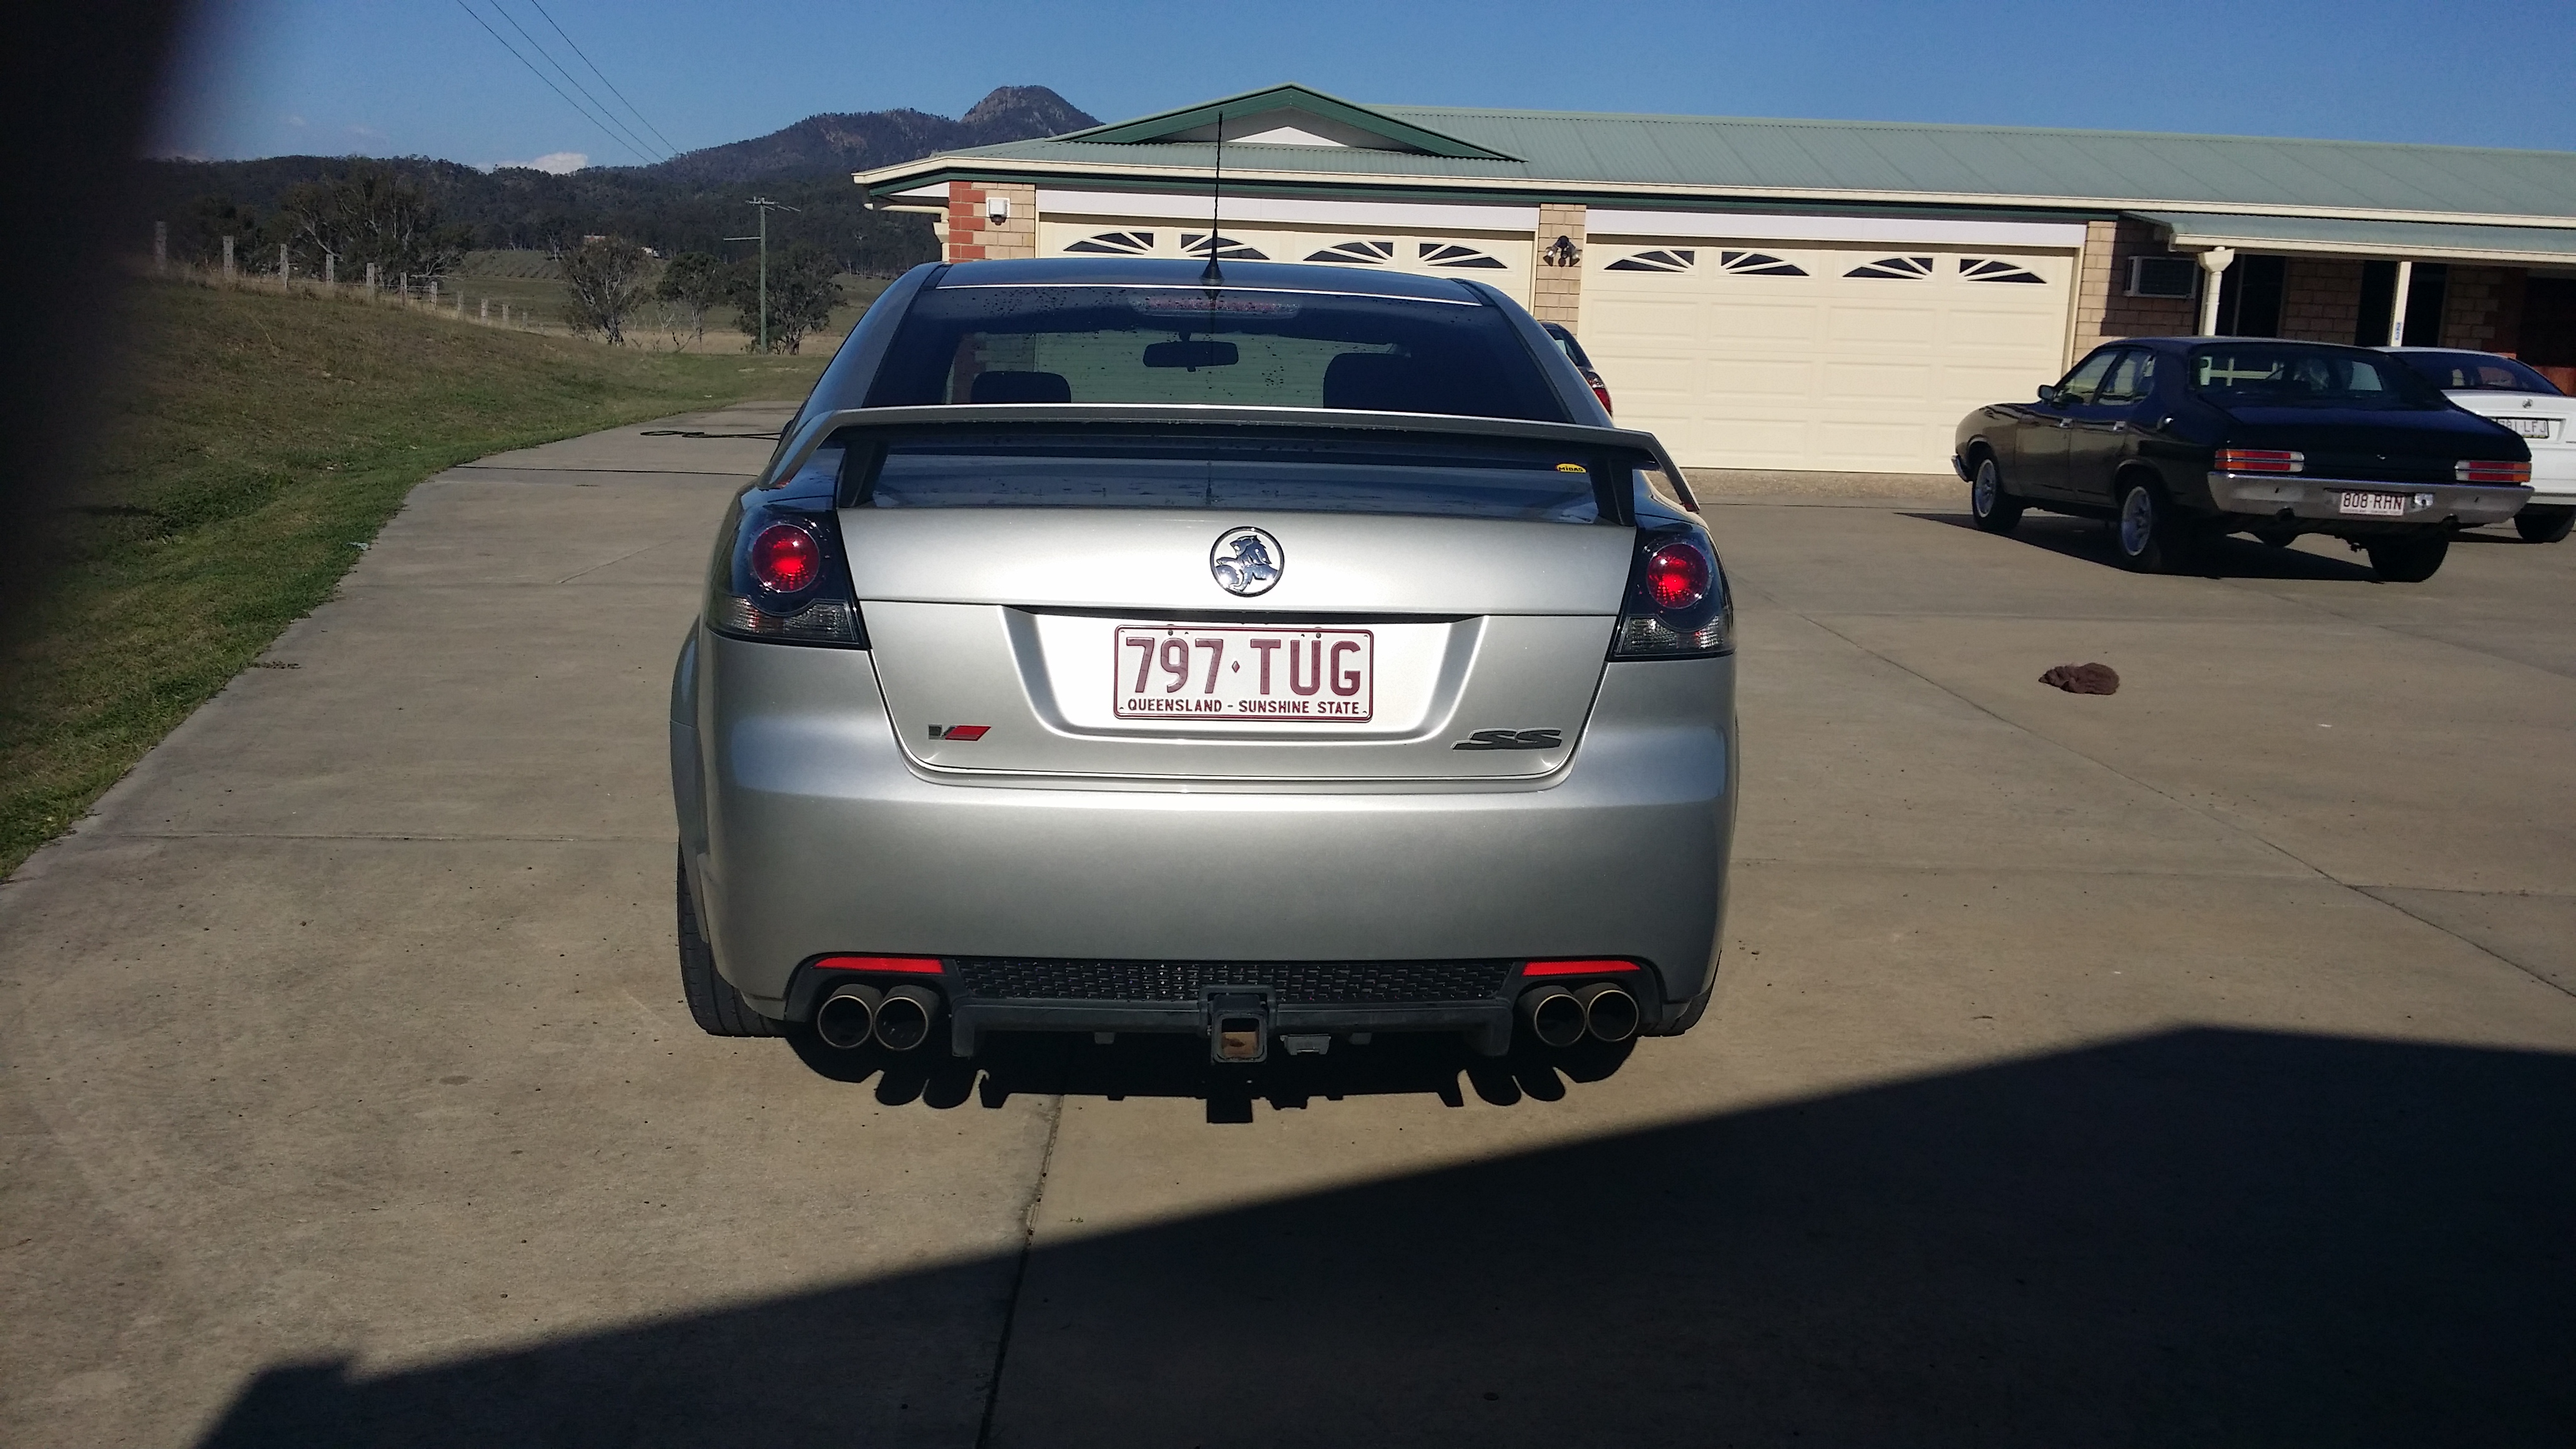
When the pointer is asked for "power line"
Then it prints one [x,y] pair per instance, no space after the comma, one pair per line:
[560,69]
[604,80]
[550,85]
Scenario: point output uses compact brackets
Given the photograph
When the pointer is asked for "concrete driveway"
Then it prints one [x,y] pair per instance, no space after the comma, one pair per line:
[2192,1064]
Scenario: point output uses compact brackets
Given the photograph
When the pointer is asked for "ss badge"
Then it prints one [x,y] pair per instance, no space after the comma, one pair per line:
[1511,740]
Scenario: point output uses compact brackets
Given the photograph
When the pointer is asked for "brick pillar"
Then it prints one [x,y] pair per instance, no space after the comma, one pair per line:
[2094,279]
[1556,292]
[969,231]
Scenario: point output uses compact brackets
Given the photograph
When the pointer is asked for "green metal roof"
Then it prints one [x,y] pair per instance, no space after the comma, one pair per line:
[1588,153]
[2456,241]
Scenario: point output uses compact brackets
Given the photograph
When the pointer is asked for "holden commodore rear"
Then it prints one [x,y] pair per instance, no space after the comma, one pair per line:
[1284,657]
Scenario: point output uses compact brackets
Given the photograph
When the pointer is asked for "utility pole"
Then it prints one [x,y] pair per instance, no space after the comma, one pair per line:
[765,206]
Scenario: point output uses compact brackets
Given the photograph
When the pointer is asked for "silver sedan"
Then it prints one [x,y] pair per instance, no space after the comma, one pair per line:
[1285,656]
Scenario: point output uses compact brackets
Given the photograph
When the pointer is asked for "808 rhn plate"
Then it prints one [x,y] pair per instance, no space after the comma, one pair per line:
[1195,671]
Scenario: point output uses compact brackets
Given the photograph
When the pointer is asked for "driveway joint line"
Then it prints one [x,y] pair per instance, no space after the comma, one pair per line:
[1019,1272]
[621,558]
[2478,946]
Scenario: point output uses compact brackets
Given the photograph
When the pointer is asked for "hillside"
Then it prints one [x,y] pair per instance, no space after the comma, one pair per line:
[689,203]
[255,443]
[835,145]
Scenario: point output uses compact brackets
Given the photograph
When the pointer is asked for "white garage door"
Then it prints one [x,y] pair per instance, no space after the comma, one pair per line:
[1859,359]
[1500,261]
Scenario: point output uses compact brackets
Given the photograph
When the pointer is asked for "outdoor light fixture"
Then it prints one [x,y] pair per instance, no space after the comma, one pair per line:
[997,209]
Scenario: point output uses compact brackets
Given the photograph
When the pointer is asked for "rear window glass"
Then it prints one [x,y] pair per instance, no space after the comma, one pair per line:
[1234,346]
[2271,374]
[2475,372]
[1446,477]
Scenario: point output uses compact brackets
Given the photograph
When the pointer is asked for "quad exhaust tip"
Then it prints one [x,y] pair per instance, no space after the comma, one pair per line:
[904,1017]
[1554,1014]
[848,1016]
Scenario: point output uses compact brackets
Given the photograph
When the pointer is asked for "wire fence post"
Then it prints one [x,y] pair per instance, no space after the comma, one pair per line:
[228,259]
[371,281]
[330,270]
[160,246]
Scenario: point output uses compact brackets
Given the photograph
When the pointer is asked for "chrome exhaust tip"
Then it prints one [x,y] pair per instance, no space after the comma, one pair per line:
[1554,1015]
[904,1017]
[847,1016]
[1609,1012]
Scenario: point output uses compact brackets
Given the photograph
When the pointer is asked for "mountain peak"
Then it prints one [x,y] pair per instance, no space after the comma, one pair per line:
[1019,107]
[838,143]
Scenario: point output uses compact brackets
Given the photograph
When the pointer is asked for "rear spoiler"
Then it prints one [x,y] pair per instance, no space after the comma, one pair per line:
[812,434]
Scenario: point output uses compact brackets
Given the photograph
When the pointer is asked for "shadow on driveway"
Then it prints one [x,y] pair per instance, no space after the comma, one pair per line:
[2198,1238]
[2225,558]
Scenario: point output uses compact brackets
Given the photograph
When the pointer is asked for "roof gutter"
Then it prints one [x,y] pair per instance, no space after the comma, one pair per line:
[935,168]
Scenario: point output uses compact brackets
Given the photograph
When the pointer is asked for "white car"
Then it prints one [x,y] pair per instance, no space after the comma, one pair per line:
[2495,386]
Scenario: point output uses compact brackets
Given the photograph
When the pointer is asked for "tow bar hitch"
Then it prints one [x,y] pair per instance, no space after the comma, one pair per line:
[1238,1021]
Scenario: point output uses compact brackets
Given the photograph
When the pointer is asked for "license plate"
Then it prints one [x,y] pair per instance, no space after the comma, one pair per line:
[1222,672]
[2381,505]
[2529,427]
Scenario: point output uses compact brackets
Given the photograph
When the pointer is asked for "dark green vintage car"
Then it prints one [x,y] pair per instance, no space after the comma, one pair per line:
[2179,440]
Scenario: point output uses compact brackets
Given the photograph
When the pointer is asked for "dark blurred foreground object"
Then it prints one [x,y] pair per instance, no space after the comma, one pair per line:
[77,88]
[2083,679]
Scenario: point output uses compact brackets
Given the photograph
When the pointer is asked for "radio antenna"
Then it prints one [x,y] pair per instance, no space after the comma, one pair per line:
[1215,275]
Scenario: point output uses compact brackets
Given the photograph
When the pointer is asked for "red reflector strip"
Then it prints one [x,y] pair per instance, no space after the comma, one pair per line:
[917,965]
[2260,460]
[1575,968]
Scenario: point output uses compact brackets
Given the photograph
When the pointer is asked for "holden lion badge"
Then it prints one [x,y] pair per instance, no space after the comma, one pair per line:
[1246,561]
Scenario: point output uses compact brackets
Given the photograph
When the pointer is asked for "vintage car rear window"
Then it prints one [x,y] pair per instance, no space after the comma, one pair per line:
[2476,372]
[1448,477]
[2274,375]
[1234,346]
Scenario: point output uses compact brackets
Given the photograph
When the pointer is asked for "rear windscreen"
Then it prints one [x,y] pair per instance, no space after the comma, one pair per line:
[1445,477]
[1232,346]
[2274,375]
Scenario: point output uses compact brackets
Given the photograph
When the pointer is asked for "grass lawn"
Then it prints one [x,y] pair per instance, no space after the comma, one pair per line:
[253,439]
[532,286]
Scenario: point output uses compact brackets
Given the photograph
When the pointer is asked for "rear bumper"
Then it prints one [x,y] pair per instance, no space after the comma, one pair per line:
[2271,495]
[814,834]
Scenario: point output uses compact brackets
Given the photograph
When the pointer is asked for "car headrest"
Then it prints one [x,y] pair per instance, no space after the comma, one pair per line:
[1021,387]
[1375,382]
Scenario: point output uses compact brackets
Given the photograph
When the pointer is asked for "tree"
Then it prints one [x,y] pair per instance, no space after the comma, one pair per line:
[368,213]
[692,283]
[605,279]
[803,290]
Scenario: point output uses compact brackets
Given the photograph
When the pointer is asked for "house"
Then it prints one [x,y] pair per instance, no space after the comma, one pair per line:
[1810,294]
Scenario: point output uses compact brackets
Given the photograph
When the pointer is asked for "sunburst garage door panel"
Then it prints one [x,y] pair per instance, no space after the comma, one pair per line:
[1830,358]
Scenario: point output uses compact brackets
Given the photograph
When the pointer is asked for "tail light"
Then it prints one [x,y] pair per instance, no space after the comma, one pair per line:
[1678,604]
[2495,471]
[1587,966]
[2261,460]
[781,576]
[1602,393]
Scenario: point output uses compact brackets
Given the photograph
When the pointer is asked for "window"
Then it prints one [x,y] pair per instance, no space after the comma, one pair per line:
[1900,268]
[2475,372]
[1987,269]
[1226,248]
[2176,277]
[2086,380]
[2132,379]
[1757,264]
[1356,253]
[1656,261]
[1232,345]
[1451,254]
[2277,375]
[1116,244]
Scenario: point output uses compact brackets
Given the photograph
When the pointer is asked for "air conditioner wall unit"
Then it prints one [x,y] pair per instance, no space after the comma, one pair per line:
[2167,276]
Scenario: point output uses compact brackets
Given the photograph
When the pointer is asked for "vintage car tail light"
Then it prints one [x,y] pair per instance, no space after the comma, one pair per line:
[2261,460]
[2494,471]
[1678,604]
[782,577]
[1602,393]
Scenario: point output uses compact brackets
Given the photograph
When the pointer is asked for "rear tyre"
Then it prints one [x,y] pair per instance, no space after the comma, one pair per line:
[2411,559]
[718,1009]
[2544,523]
[1995,510]
[2145,533]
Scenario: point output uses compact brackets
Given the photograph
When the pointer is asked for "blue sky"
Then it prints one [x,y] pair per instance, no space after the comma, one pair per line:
[266,77]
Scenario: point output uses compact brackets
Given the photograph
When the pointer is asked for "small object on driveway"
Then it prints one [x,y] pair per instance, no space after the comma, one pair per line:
[2083,679]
